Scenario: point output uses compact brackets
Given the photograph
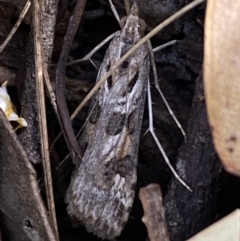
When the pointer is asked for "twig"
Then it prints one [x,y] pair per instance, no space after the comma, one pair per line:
[154,212]
[49,88]
[127,6]
[42,112]
[60,80]
[14,29]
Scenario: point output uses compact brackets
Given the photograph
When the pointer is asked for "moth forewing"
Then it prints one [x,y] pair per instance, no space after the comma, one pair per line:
[102,188]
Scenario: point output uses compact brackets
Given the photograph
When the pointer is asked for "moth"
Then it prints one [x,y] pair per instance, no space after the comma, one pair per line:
[102,187]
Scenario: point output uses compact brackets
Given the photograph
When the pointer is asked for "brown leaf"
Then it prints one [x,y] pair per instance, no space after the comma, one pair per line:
[222,79]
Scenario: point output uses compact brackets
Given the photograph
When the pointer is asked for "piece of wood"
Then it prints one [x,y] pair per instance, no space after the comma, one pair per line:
[154,212]
[38,17]
[23,214]
[30,137]
[189,212]
[65,120]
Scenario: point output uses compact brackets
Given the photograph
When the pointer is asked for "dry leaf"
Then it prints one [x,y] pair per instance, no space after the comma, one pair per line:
[8,108]
[222,79]
[225,229]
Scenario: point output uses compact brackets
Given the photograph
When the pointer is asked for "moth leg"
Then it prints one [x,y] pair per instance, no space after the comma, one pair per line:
[158,87]
[163,46]
[151,129]
[92,52]
[114,10]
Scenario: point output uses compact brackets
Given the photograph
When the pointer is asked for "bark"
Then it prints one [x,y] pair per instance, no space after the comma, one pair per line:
[30,137]
[189,212]
[22,211]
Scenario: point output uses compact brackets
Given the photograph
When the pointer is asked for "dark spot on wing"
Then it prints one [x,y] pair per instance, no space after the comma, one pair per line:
[125,166]
[108,67]
[115,124]
[125,64]
[133,82]
[110,169]
[115,202]
[109,81]
[131,122]
[122,103]
[121,206]
[121,211]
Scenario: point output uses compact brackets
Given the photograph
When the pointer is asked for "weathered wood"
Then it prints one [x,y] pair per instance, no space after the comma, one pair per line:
[23,214]
[187,213]
[154,212]
[30,137]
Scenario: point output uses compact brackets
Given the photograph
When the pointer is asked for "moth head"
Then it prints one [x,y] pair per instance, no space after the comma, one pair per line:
[134,13]
[141,23]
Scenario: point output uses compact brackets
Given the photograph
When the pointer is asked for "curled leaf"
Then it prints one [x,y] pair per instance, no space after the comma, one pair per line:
[8,108]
